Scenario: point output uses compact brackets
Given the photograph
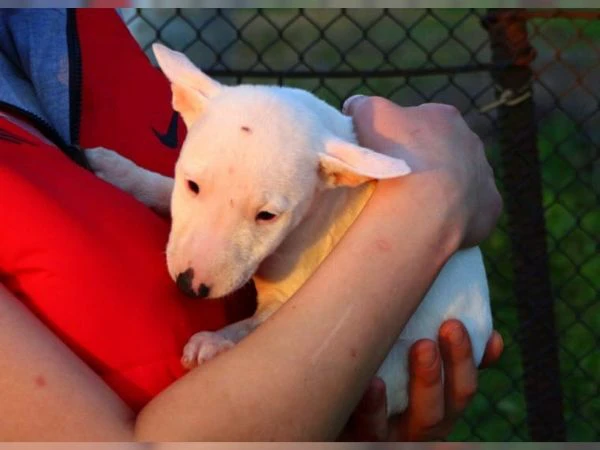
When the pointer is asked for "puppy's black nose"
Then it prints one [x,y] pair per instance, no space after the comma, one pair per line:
[184,282]
[203,291]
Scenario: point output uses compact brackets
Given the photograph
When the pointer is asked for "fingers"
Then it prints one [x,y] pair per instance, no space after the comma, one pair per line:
[459,369]
[493,350]
[379,123]
[436,403]
[369,421]
[426,408]
[415,134]
[367,117]
[437,400]
[351,103]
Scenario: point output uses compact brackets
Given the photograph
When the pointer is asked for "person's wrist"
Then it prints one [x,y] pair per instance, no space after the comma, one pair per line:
[440,197]
[445,194]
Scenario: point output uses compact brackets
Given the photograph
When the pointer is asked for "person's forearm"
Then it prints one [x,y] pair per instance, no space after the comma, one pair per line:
[337,330]
[368,287]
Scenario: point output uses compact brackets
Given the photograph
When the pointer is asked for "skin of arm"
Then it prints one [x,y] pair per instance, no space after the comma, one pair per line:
[298,377]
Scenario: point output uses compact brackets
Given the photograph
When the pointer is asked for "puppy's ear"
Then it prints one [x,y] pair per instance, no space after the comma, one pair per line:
[191,87]
[347,164]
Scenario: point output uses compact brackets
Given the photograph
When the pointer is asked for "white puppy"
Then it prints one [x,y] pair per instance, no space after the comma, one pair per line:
[268,181]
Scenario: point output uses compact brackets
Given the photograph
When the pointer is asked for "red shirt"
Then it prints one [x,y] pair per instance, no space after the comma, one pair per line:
[87,258]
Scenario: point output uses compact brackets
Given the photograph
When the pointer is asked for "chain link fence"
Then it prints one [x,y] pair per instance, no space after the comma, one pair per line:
[541,136]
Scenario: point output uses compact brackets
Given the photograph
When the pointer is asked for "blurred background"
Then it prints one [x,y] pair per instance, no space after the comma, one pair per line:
[542,138]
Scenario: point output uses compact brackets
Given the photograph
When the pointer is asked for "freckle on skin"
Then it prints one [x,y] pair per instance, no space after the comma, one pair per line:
[353,353]
[246,129]
[40,381]
[231,203]
[383,245]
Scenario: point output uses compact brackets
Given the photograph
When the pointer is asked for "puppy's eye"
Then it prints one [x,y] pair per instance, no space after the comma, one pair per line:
[265,216]
[193,187]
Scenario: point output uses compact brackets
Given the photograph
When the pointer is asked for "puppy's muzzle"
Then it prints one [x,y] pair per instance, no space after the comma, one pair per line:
[185,284]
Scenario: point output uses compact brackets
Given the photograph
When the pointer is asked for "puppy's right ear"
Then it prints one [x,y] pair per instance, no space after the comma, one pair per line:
[346,164]
[191,87]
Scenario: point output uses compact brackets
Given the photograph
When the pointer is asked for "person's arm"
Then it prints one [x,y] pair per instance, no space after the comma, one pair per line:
[297,377]
[47,392]
[435,402]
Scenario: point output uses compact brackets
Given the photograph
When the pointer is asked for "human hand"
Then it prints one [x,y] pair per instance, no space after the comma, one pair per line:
[434,405]
[434,140]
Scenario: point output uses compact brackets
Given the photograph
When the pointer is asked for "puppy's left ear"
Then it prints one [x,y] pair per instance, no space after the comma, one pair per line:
[192,88]
[347,164]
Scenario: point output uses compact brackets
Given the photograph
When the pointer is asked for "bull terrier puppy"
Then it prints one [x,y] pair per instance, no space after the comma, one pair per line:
[268,181]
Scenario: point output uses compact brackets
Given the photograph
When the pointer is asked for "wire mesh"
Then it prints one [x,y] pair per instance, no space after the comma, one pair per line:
[416,55]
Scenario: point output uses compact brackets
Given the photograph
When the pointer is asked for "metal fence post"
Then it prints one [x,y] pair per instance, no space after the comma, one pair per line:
[512,52]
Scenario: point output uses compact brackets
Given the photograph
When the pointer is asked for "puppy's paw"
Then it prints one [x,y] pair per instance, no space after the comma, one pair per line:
[112,167]
[203,347]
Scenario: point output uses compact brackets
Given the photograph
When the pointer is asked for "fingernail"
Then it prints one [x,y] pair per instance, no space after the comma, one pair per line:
[456,336]
[499,337]
[427,357]
[349,100]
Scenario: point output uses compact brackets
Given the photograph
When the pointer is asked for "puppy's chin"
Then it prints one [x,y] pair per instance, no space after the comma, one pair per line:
[226,289]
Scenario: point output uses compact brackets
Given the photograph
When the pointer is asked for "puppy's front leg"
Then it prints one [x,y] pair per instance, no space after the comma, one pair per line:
[150,188]
[205,345]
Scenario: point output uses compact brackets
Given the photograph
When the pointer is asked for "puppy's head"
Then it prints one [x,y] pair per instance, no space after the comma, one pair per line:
[254,160]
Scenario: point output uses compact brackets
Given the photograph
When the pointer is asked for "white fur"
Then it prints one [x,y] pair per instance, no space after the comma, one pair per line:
[280,150]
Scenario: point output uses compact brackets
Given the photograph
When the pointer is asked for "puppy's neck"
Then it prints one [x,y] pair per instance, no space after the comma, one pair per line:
[333,211]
